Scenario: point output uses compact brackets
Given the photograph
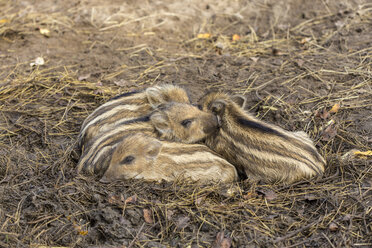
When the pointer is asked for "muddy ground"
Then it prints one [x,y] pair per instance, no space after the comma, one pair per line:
[294,60]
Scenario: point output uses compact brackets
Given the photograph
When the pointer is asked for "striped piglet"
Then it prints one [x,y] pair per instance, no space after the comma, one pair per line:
[257,149]
[143,157]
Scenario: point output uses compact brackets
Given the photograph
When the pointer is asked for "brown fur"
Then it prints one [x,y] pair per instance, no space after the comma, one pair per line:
[257,149]
[127,107]
[168,120]
[143,157]
[183,122]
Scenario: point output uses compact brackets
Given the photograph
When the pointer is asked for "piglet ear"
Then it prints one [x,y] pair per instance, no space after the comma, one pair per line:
[218,107]
[239,100]
[153,148]
[158,95]
[155,96]
[161,122]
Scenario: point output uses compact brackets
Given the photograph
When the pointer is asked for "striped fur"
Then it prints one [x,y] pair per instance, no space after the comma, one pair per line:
[97,150]
[127,107]
[143,157]
[172,121]
[257,149]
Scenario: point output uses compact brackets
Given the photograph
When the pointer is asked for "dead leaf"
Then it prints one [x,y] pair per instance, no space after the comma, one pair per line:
[204,36]
[79,229]
[182,222]
[226,243]
[305,40]
[83,233]
[254,59]
[329,133]
[148,216]
[131,199]
[231,191]
[300,62]
[45,32]
[84,77]
[249,195]
[324,114]
[119,200]
[4,21]
[99,91]
[199,200]
[38,61]
[219,237]
[116,200]
[310,197]
[236,37]
[335,108]
[339,24]
[220,45]
[347,217]
[112,199]
[333,227]
[221,241]
[121,82]
[170,214]
[268,194]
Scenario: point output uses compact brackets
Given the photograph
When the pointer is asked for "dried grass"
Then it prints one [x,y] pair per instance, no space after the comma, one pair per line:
[292,78]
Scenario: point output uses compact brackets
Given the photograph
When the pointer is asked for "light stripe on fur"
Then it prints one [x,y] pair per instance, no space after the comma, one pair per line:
[110,113]
[200,157]
[112,104]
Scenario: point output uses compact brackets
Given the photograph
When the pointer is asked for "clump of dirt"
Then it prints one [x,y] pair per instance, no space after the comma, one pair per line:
[293,60]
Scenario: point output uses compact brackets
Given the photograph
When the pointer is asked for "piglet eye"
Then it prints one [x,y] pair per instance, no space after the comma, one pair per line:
[127,160]
[186,123]
[198,106]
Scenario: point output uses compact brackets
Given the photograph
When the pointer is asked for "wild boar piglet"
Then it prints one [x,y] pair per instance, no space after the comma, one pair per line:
[260,150]
[173,121]
[143,157]
[126,107]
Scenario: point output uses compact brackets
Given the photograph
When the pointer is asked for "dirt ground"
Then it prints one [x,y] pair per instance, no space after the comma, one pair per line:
[295,60]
